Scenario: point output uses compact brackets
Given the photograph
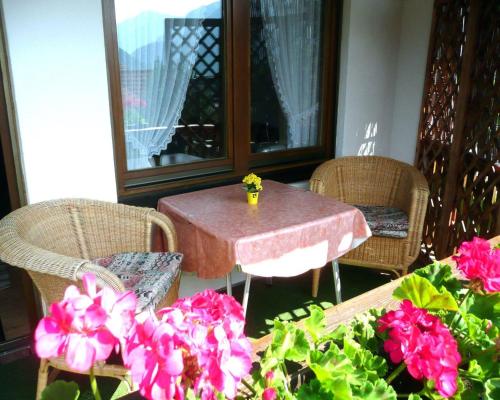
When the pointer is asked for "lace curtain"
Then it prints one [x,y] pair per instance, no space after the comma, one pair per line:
[154,80]
[292,31]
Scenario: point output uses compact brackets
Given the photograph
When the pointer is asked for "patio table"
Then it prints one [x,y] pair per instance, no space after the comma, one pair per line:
[289,232]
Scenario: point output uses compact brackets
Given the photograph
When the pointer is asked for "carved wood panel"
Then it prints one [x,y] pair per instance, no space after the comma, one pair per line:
[457,146]
[475,205]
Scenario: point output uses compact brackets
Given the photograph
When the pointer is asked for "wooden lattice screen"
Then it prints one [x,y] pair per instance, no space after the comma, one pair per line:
[459,143]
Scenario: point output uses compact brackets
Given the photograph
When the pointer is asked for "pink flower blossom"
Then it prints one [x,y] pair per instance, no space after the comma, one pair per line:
[269,394]
[154,354]
[198,342]
[85,327]
[133,101]
[478,261]
[424,343]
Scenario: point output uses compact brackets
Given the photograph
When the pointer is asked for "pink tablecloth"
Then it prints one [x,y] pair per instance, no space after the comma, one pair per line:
[288,233]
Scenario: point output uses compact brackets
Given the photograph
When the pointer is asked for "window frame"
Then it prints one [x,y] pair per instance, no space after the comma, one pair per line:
[237,123]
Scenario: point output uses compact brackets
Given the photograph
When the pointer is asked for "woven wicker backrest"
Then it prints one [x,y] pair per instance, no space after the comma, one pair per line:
[48,227]
[84,228]
[363,180]
[109,228]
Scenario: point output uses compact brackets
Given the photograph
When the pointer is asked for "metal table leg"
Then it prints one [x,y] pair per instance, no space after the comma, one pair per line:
[229,284]
[336,281]
[246,292]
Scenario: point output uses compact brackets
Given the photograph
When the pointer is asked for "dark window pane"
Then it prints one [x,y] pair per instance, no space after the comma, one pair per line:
[286,68]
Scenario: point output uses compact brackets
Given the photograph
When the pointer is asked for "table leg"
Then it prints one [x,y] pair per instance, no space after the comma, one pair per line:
[336,281]
[315,283]
[246,293]
[229,284]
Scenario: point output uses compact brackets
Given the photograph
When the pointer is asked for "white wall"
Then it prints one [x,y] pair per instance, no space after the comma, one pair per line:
[382,68]
[56,52]
[416,22]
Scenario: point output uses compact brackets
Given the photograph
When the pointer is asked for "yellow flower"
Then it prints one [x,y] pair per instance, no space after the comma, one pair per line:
[253,183]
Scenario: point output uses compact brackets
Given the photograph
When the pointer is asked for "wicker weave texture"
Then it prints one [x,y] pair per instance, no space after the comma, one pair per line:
[54,241]
[378,181]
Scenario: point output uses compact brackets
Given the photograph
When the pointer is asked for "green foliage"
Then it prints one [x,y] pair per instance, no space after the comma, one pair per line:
[423,294]
[313,391]
[492,391]
[61,390]
[379,390]
[440,275]
[349,362]
[289,342]
[485,307]
[315,323]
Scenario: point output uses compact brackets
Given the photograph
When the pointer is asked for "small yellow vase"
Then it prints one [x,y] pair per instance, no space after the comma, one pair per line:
[253,198]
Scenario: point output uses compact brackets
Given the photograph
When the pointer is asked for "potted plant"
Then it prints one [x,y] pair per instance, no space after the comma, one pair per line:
[252,185]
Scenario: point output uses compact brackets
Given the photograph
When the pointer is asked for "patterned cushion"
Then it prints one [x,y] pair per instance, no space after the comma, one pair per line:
[149,275]
[386,221]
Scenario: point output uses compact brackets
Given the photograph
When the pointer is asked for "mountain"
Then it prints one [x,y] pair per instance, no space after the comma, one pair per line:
[209,11]
[148,54]
[141,30]
[126,60]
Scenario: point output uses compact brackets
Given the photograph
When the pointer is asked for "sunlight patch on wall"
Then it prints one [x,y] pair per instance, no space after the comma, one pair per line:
[367,148]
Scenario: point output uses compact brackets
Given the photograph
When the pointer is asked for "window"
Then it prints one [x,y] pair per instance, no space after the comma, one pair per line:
[206,90]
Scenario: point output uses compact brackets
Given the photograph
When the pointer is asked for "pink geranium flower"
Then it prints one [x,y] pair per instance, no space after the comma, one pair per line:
[224,356]
[154,354]
[198,343]
[424,343]
[269,394]
[85,327]
[478,261]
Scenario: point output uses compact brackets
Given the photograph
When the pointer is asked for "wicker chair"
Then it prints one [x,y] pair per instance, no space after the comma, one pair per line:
[377,181]
[55,240]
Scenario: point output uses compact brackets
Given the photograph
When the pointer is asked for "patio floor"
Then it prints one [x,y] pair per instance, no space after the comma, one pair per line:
[287,299]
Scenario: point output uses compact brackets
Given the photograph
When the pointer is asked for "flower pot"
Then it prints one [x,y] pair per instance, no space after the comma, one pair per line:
[253,198]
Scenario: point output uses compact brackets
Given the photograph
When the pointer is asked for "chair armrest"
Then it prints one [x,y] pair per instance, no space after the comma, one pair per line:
[317,186]
[104,277]
[167,227]
[416,197]
[21,254]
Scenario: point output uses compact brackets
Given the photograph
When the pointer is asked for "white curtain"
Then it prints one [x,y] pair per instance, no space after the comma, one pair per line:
[292,32]
[154,80]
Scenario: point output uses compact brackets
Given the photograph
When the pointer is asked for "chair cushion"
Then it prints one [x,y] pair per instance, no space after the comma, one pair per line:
[148,275]
[386,221]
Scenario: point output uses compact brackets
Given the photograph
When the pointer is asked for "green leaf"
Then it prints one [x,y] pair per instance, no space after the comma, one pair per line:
[61,390]
[423,294]
[337,335]
[329,365]
[440,275]
[414,396]
[374,366]
[313,391]
[477,329]
[364,329]
[340,389]
[485,306]
[379,390]
[475,370]
[492,389]
[315,323]
[288,342]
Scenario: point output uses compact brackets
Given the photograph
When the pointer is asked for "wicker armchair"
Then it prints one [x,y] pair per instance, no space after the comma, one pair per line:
[55,240]
[377,181]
